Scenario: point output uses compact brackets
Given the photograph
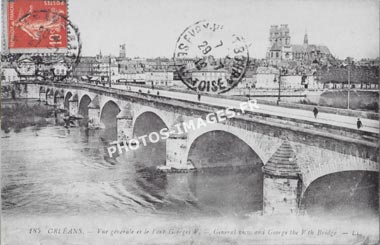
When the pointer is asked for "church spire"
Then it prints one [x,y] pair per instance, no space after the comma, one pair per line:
[305,39]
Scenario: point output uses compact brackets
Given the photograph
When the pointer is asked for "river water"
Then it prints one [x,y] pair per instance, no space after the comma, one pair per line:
[51,171]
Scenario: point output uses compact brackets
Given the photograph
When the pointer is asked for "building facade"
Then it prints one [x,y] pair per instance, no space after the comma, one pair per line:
[281,49]
[209,75]
[84,67]
[159,78]
[9,75]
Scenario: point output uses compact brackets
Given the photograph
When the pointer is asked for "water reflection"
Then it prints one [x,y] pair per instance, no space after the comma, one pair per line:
[342,193]
[64,169]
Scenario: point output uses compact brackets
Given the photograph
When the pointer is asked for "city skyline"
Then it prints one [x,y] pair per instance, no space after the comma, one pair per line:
[150,28]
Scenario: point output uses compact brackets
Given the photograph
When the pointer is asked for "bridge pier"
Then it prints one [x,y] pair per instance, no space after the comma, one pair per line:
[125,124]
[42,95]
[59,99]
[94,113]
[176,147]
[93,118]
[73,106]
[282,182]
[60,102]
[31,91]
[50,98]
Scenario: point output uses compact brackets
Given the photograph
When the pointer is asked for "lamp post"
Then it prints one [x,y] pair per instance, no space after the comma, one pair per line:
[281,71]
[349,86]
[109,69]
[279,87]
[249,91]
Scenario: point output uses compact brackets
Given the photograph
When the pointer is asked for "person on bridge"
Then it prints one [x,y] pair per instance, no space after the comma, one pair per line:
[315,111]
[359,123]
[199,96]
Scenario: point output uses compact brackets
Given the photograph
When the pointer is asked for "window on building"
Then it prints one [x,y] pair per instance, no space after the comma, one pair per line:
[277,54]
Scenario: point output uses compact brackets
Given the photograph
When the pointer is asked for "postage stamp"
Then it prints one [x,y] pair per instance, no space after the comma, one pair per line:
[36,26]
[209,59]
[45,45]
[56,66]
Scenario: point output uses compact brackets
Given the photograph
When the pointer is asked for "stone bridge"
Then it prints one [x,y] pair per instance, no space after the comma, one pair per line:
[292,155]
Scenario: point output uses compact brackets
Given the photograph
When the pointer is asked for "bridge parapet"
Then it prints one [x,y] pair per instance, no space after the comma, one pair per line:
[340,139]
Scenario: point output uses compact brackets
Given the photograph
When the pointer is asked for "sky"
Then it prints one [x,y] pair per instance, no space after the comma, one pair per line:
[150,28]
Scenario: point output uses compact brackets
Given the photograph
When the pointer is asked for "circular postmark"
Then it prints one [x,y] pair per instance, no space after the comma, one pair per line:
[209,59]
[57,52]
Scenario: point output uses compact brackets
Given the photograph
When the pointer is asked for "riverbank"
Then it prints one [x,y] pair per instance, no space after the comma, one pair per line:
[19,114]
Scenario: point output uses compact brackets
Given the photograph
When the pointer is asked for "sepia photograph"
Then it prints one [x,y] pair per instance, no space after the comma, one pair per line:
[190,122]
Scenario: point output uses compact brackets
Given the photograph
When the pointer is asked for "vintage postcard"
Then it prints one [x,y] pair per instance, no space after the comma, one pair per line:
[190,122]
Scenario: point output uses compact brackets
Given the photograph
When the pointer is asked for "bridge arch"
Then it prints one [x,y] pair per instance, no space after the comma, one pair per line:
[67,93]
[49,92]
[222,143]
[105,100]
[108,119]
[58,94]
[41,91]
[253,142]
[152,112]
[145,123]
[344,192]
[85,94]
[221,150]
[344,163]
[85,100]
[68,96]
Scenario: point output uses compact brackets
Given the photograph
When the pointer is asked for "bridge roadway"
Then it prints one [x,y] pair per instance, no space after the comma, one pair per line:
[369,125]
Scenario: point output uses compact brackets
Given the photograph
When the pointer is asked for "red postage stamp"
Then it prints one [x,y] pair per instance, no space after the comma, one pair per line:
[35,26]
